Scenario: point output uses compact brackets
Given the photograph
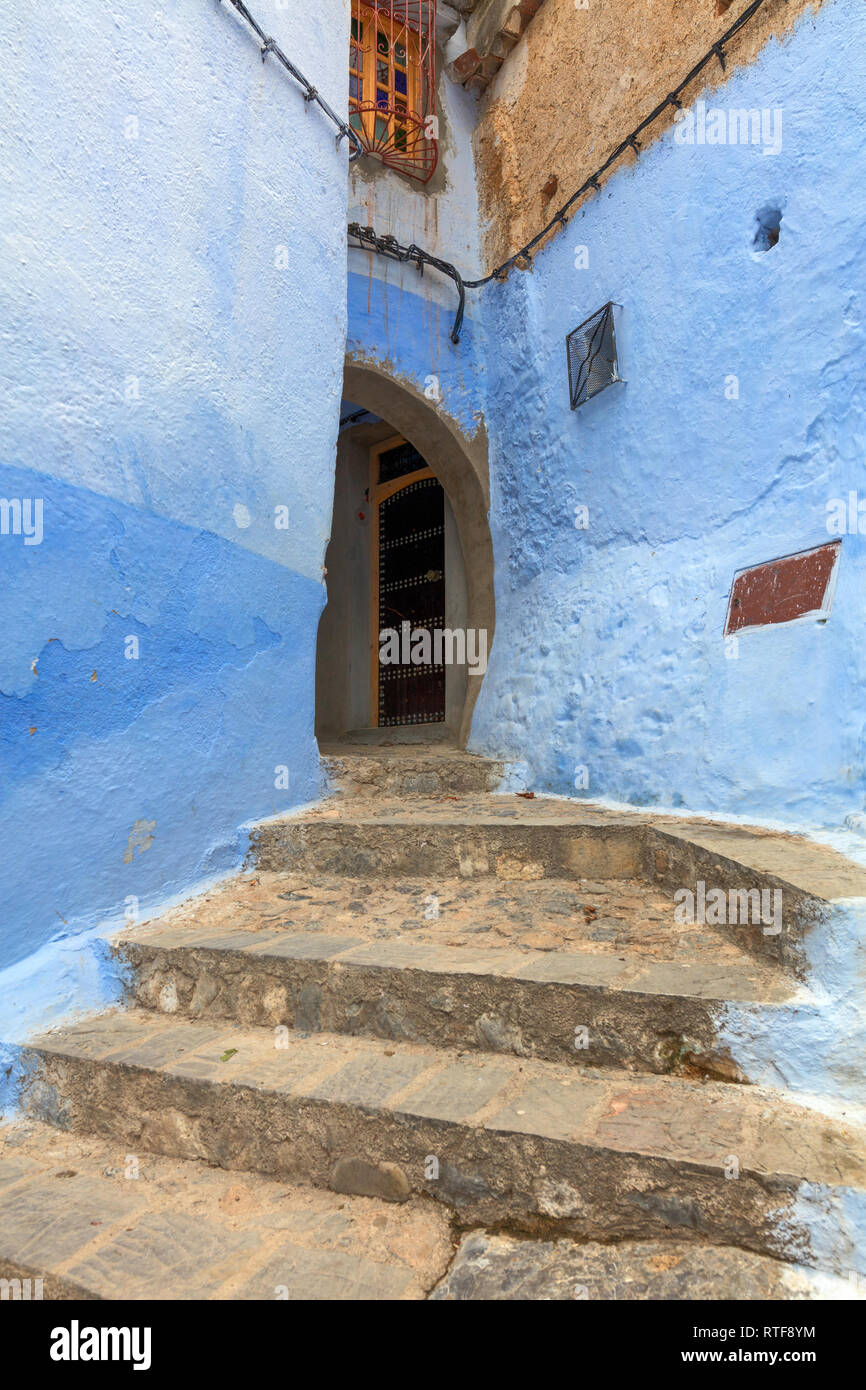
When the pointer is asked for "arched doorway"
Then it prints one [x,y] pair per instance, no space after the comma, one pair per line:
[404,638]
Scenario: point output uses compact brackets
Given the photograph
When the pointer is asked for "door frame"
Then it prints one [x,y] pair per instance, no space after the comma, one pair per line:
[379,493]
[461,465]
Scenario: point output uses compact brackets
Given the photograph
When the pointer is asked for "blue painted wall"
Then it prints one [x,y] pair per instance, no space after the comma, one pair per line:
[609,652]
[175,298]
[399,319]
[174,307]
[407,334]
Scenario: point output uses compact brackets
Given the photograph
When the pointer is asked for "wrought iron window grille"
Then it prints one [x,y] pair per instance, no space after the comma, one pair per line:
[392,83]
[592,359]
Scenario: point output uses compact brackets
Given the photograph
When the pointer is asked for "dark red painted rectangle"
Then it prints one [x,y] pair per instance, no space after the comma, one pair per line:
[779,591]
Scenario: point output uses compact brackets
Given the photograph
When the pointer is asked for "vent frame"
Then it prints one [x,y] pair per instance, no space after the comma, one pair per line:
[592,357]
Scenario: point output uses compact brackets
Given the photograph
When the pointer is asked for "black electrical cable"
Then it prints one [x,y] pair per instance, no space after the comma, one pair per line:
[269,45]
[353,419]
[630,142]
[388,246]
[368,240]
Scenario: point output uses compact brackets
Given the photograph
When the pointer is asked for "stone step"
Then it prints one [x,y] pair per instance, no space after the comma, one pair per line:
[92,1220]
[81,1218]
[450,837]
[519,840]
[496,1267]
[403,771]
[503,1141]
[617,982]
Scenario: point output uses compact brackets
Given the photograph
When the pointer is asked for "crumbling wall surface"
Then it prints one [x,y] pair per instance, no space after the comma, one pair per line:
[737,438]
[582,77]
[174,308]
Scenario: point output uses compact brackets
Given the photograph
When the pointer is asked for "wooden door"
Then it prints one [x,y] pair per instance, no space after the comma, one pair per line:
[408,582]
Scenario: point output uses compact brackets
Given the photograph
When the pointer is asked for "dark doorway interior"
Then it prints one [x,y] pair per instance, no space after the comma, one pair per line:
[410,584]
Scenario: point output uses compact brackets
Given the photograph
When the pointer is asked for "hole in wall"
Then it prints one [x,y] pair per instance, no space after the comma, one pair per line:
[769,221]
[722,6]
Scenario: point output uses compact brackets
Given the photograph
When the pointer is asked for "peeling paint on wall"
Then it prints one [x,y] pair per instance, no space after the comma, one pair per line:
[172,387]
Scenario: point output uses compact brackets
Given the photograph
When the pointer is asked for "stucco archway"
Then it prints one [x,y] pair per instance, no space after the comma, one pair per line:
[461,466]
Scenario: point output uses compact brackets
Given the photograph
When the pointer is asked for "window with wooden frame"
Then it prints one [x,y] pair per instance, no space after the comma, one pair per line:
[392,82]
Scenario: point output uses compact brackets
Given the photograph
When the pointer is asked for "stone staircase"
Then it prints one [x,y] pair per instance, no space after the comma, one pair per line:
[475,1018]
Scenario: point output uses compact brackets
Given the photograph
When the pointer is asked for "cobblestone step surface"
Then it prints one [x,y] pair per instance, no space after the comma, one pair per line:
[494,1268]
[500,1140]
[93,1220]
[589,973]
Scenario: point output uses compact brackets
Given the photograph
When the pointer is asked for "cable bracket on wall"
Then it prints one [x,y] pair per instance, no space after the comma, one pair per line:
[367,240]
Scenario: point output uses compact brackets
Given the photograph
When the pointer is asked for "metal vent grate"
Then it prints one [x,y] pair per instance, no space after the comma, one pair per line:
[591,350]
